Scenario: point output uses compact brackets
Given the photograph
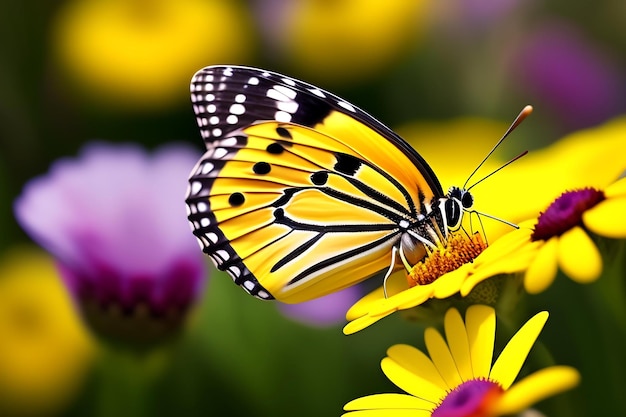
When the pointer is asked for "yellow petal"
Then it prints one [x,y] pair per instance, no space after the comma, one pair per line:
[608,218]
[450,283]
[618,188]
[361,323]
[514,355]
[456,335]
[362,307]
[408,298]
[388,401]
[442,358]
[480,322]
[542,271]
[536,387]
[417,362]
[388,413]
[578,256]
[515,262]
[411,383]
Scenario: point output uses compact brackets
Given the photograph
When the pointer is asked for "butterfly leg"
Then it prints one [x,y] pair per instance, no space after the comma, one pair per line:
[392,265]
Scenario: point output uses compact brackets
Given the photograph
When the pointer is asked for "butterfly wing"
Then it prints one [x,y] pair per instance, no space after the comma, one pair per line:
[299,193]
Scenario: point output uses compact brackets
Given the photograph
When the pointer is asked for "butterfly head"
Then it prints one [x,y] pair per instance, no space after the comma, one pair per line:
[454,204]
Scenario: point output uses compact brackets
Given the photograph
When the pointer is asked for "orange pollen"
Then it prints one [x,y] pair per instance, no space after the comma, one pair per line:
[458,251]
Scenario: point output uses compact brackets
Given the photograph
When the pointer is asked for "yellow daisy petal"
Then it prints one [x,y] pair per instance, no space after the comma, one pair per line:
[361,307]
[388,413]
[515,262]
[441,357]
[416,361]
[388,401]
[450,283]
[456,335]
[359,324]
[480,322]
[578,256]
[406,299]
[617,189]
[514,355]
[543,269]
[607,218]
[411,383]
[536,387]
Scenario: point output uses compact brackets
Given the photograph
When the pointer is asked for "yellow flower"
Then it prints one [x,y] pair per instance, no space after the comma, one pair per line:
[44,349]
[561,237]
[349,40]
[458,380]
[462,280]
[591,157]
[141,54]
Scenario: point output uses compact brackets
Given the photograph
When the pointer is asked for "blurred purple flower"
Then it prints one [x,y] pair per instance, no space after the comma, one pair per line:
[115,221]
[326,311]
[580,83]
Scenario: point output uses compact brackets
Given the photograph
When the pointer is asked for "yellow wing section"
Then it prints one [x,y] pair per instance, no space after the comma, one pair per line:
[305,210]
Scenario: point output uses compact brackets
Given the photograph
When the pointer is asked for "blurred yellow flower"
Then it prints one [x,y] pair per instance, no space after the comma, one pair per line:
[458,379]
[350,40]
[45,352]
[141,54]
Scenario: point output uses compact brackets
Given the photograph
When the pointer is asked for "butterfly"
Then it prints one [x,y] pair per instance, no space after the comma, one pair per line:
[301,194]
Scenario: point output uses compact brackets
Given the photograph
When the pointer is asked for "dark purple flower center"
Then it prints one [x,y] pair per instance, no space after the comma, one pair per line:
[472,398]
[565,213]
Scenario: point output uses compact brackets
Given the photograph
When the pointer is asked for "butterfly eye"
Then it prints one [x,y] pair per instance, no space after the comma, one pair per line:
[467,200]
[453,211]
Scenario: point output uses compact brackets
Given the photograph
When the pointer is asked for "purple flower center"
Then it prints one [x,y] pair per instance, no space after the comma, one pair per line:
[472,398]
[565,213]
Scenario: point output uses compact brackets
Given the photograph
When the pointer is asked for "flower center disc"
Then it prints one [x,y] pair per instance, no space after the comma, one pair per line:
[565,213]
[474,398]
[458,251]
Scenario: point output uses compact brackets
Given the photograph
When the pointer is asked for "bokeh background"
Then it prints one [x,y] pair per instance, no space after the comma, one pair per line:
[75,71]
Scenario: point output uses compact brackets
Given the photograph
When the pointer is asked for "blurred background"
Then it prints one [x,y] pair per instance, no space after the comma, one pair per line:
[75,71]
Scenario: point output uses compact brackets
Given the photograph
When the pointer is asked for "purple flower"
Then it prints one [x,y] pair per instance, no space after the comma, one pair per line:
[329,310]
[570,76]
[115,221]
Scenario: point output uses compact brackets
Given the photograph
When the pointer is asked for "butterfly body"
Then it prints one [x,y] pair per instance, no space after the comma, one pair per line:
[300,193]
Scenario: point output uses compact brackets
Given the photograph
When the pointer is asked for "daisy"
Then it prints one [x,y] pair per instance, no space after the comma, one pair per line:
[446,273]
[458,378]
[562,237]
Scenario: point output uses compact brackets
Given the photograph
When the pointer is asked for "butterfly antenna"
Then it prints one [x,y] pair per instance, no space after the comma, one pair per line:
[502,166]
[526,111]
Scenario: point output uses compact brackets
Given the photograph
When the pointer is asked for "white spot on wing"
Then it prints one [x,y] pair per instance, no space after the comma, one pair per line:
[282,116]
[346,106]
[219,153]
[196,186]
[288,106]
[237,109]
[286,91]
[317,92]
